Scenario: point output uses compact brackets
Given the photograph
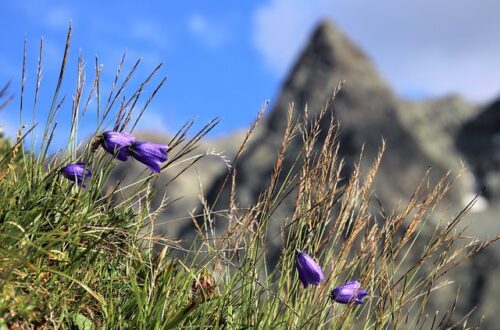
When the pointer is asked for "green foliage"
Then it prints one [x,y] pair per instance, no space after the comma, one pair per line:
[76,258]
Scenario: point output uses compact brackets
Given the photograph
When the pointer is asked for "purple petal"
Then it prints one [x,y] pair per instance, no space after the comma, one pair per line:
[158,151]
[77,173]
[117,143]
[348,293]
[362,294]
[309,271]
[150,154]
[358,301]
[151,163]
[352,284]
[343,298]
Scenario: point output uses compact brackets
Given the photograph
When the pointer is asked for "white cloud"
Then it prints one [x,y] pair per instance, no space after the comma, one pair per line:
[153,120]
[211,34]
[281,29]
[437,47]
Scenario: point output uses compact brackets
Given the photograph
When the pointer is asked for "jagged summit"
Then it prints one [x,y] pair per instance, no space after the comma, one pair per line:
[368,111]
[365,107]
[330,48]
[328,59]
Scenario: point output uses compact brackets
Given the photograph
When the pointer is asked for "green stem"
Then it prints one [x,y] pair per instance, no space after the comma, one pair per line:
[181,316]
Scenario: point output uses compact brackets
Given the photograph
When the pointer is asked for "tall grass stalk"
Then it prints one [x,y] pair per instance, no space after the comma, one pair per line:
[89,258]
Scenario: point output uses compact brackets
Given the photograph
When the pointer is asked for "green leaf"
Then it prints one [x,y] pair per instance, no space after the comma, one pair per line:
[81,322]
[3,324]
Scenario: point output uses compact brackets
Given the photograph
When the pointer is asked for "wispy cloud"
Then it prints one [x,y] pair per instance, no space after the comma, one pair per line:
[436,47]
[51,15]
[141,38]
[151,33]
[210,33]
[57,17]
[281,28]
[153,120]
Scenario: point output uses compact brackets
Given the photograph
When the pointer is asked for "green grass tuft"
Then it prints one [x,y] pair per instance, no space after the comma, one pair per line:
[76,258]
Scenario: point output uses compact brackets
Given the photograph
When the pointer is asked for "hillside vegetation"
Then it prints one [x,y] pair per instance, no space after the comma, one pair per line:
[79,250]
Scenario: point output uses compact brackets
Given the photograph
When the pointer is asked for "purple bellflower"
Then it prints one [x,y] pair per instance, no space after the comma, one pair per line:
[77,173]
[150,154]
[117,143]
[309,271]
[349,293]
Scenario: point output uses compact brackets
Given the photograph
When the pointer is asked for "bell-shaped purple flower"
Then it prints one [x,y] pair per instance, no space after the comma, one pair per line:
[117,143]
[78,173]
[349,293]
[309,271]
[150,154]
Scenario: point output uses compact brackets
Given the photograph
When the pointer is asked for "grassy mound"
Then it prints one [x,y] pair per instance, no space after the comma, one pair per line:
[88,258]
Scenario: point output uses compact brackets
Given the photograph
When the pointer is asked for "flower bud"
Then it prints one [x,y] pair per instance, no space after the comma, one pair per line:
[150,154]
[349,293]
[117,143]
[77,173]
[309,271]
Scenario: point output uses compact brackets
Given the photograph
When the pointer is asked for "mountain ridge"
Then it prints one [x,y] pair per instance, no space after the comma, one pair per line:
[419,136]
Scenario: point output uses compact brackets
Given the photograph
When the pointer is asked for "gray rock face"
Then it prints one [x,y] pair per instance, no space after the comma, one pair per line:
[368,111]
[365,107]
[435,124]
[479,141]
[418,135]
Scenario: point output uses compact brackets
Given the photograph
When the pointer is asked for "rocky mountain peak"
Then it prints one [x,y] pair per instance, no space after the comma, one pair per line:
[419,135]
[367,111]
[327,59]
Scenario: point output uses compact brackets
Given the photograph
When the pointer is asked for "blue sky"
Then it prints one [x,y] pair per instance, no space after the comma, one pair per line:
[225,58]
